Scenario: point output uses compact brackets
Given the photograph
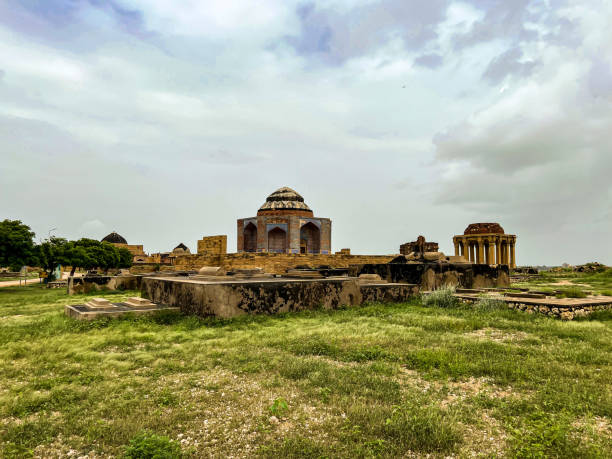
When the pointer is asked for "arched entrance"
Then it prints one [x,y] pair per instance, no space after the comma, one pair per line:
[277,240]
[250,238]
[310,238]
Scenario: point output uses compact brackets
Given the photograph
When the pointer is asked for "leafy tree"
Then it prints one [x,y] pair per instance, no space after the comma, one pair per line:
[16,244]
[52,252]
[89,253]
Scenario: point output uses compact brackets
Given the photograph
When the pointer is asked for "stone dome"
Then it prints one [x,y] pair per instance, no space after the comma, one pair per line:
[114,238]
[484,228]
[285,201]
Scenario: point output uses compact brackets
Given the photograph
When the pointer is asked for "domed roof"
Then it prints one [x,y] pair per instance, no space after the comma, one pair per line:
[484,228]
[114,238]
[285,199]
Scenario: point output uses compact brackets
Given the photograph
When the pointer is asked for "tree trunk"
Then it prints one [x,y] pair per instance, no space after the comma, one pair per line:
[72,271]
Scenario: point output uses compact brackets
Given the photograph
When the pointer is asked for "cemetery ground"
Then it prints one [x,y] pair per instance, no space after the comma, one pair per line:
[380,380]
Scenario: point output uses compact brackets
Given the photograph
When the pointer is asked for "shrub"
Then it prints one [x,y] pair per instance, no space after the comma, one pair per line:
[147,445]
[607,293]
[490,304]
[572,292]
[443,298]
[279,408]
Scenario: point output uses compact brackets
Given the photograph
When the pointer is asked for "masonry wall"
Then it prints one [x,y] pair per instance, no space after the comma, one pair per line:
[276,263]
[212,245]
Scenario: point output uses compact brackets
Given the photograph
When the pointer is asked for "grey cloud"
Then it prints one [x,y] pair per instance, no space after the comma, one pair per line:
[63,23]
[600,79]
[432,61]
[508,63]
[334,36]
[502,19]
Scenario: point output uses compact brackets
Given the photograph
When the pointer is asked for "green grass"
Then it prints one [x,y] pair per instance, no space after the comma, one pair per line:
[375,381]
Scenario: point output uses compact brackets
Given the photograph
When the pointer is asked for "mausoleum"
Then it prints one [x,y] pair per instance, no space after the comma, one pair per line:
[285,224]
[486,243]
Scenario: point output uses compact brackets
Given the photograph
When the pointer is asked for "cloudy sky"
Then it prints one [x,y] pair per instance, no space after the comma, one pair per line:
[167,121]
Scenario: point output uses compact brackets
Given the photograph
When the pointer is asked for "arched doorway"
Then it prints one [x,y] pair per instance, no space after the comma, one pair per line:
[310,238]
[277,240]
[250,238]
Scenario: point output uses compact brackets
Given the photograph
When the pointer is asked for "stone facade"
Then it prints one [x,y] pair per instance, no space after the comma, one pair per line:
[430,276]
[275,263]
[411,247]
[212,246]
[486,243]
[285,225]
[230,297]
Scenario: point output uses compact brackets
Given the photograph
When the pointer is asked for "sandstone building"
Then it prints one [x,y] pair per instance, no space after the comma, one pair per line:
[119,241]
[486,243]
[285,224]
[410,247]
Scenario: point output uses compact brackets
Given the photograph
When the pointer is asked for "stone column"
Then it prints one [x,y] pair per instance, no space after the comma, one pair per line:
[491,260]
[240,236]
[480,251]
[325,235]
[512,256]
[456,242]
[294,234]
[462,247]
[498,251]
[262,234]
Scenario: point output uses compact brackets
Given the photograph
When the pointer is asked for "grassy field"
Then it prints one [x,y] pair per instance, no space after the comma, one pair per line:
[398,380]
[599,283]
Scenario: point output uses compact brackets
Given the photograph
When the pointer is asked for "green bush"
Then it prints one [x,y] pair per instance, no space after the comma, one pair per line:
[279,408]
[572,292]
[442,298]
[147,445]
[490,304]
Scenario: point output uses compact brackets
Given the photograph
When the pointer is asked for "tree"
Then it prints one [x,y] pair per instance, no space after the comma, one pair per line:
[89,253]
[52,252]
[16,244]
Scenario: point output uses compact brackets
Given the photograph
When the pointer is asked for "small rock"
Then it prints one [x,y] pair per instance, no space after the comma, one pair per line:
[273,420]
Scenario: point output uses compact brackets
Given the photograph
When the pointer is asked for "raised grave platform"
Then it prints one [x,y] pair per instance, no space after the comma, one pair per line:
[229,297]
[562,308]
[101,307]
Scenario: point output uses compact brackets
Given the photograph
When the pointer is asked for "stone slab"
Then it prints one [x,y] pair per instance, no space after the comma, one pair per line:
[525,295]
[83,312]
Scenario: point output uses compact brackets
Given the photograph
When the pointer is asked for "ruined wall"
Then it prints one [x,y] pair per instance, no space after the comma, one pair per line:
[212,245]
[431,276]
[233,298]
[96,283]
[275,263]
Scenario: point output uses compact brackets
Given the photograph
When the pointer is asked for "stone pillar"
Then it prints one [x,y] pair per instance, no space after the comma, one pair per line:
[480,251]
[325,236]
[240,236]
[512,256]
[498,252]
[294,234]
[470,251]
[262,234]
[491,257]
[456,247]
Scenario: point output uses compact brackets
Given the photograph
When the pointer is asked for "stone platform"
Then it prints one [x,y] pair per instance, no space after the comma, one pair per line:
[229,297]
[100,307]
[562,308]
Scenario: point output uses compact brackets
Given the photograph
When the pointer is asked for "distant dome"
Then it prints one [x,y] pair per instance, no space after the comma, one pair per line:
[181,248]
[484,228]
[114,238]
[285,201]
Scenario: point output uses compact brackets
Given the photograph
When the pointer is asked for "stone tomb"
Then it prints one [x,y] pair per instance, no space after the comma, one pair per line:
[101,307]
[229,297]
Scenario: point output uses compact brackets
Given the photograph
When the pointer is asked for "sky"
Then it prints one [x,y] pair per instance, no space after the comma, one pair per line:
[166,121]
